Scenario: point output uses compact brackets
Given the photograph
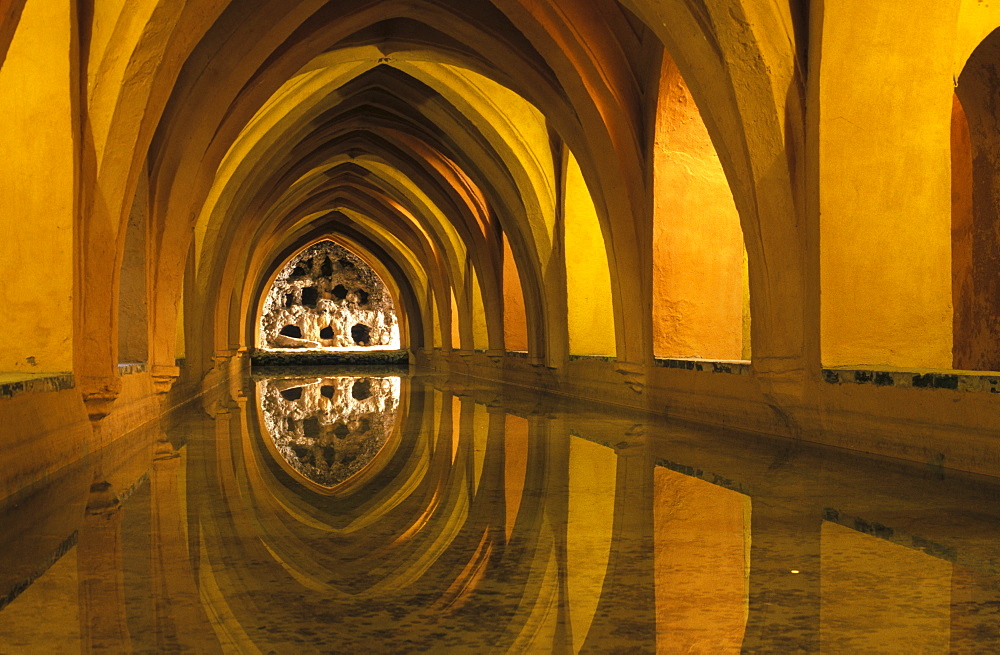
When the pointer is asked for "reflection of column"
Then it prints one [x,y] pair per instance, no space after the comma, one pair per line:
[181,624]
[784,606]
[625,619]
[102,581]
[557,634]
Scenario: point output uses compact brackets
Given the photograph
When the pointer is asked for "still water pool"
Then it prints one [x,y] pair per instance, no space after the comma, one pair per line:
[339,511]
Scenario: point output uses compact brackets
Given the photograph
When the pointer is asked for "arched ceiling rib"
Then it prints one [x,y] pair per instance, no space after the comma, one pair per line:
[434,121]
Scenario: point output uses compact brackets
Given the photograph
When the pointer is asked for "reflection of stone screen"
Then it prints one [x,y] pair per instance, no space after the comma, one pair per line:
[327,297]
[328,428]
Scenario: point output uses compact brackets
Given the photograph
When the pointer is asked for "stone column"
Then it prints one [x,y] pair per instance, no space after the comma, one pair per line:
[626,616]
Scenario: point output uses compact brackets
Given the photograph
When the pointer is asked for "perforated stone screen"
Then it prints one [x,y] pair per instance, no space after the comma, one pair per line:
[328,298]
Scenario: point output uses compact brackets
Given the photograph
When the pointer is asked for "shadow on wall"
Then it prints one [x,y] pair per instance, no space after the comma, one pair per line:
[328,298]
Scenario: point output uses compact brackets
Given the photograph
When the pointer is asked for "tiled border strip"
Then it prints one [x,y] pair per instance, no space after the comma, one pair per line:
[969,382]
[885,533]
[129,368]
[708,365]
[57,382]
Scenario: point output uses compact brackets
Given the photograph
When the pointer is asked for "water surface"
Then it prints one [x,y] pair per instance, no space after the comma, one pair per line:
[330,511]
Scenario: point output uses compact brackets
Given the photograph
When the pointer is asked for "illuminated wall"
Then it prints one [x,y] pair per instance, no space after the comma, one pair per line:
[588,295]
[700,307]
[38,129]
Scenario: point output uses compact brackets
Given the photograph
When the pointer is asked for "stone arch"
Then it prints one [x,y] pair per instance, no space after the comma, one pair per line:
[393,267]
[750,89]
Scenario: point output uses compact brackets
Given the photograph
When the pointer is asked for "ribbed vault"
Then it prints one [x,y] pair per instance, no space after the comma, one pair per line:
[401,135]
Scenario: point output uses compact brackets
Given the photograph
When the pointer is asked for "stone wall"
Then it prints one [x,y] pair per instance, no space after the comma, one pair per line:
[327,297]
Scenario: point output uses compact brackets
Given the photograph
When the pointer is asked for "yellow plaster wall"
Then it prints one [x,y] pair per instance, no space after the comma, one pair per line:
[515,319]
[976,19]
[699,262]
[133,328]
[436,335]
[588,281]
[456,332]
[179,347]
[885,187]
[480,336]
[37,178]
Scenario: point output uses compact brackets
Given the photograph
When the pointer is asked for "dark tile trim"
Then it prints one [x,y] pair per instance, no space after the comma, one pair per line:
[130,368]
[968,382]
[57,382]
[593,358]
[706,365]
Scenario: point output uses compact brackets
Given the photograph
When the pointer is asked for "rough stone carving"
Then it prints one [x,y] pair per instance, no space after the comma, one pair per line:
[327,297]
[329,428]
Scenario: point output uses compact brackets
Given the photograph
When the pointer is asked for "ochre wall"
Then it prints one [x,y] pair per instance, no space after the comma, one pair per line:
[133,316]
[37,191]
[588,292]
[885,184]
[699,265]
[480,336]
[515,320]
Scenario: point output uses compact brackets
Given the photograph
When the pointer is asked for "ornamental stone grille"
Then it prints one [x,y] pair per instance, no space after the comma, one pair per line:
[328,297]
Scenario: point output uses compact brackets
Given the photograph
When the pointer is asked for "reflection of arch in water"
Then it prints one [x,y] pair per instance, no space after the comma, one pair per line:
[422,526]
[325,430]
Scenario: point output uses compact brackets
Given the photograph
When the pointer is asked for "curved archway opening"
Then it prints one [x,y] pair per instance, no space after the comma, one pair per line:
[327,298]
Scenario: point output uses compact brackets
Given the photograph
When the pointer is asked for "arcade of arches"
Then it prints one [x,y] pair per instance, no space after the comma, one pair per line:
[779,217]
[769,215]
